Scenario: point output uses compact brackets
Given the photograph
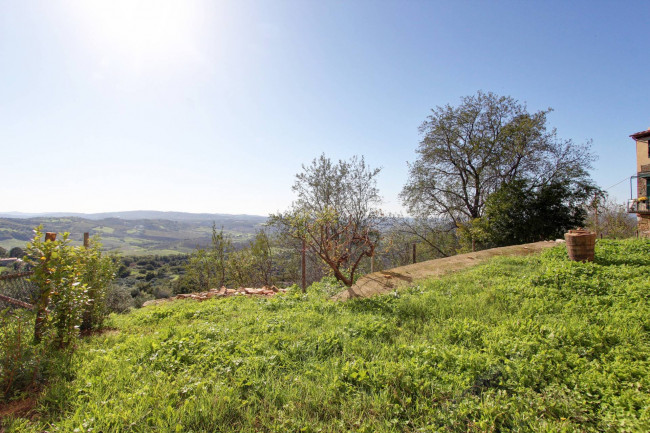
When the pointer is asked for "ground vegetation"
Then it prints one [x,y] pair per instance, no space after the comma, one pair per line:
[518,344]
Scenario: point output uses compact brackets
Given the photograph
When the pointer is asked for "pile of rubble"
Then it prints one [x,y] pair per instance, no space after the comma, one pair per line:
[222,292]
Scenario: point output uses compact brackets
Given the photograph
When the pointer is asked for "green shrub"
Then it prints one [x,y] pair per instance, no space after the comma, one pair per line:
[71,288]
[72,283]
[118,299]
[62,297]
[97,273]
[20,359]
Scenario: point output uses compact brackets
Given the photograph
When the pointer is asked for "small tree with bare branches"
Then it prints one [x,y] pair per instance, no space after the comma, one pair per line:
[335,213]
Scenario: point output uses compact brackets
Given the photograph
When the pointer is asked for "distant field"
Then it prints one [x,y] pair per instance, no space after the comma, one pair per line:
[133,236]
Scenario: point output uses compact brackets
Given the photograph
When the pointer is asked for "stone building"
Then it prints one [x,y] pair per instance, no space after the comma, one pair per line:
[640,203]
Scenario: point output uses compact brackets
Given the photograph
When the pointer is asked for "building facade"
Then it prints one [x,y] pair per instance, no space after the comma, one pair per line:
[640,204]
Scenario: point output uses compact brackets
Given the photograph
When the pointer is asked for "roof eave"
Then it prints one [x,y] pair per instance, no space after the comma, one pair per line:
[641,136]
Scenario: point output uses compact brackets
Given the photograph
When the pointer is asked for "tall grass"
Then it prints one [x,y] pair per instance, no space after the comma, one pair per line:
[518,344]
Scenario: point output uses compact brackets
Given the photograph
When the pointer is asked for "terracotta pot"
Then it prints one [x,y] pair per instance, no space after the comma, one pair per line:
[580,245]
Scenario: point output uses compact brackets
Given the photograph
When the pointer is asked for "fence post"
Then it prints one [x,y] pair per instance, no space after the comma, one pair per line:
[304,267]
[372,263]
[86,239]
[414,254]
[44,296]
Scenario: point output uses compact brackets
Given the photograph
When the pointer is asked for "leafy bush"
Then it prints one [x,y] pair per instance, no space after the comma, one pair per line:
[97,273]
[62,297]
[71,288]
[118,299]
[72,284]
[19,358]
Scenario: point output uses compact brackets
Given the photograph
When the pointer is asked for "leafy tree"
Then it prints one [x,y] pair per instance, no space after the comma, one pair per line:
[520,213]
[206,268]
[3,252]
[199,272]
[262,259]
[123,271]
[240,268]
[335,213]
[220,248]
[469,151]
[16,252]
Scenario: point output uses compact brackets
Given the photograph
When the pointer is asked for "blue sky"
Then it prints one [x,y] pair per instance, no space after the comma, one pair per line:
[213,106]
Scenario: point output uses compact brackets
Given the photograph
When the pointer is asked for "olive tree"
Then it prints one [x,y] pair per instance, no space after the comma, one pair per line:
[335,213]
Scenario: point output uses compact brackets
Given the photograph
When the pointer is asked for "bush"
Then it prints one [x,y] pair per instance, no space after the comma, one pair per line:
[162,293]
[141,298]
[97,272]
[118,299]
[72,283]
[19,359]
[16,252]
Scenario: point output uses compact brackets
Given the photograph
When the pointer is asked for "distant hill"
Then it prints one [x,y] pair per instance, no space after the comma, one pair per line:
[132,232]
[137,215]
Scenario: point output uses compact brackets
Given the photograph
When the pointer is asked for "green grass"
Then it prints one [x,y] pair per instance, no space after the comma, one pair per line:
[519,344]
[8,244]
[104,230]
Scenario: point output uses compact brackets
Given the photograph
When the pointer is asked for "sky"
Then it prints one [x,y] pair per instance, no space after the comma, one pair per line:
[213,106]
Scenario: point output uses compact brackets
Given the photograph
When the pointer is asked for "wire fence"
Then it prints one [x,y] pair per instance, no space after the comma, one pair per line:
[16,291]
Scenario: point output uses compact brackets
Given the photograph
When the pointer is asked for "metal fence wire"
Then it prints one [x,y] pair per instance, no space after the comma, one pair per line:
[17,286]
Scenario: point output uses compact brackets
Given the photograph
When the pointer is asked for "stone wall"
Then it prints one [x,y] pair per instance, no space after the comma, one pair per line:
[640,187]
[644,225]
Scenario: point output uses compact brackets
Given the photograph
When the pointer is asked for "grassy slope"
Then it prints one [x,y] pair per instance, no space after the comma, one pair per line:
[519,344]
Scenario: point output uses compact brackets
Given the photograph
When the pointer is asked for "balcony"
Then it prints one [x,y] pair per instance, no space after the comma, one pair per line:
[638,206]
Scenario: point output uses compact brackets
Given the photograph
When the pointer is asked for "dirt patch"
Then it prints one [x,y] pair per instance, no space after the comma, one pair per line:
[103,331]
[386,281]
[19,408]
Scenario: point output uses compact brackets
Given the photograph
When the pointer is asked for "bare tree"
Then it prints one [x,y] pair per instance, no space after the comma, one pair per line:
[610,219]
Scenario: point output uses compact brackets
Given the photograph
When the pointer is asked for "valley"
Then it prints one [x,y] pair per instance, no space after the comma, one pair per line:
[132,233]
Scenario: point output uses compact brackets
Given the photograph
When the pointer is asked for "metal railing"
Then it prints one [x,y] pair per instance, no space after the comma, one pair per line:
[636,206]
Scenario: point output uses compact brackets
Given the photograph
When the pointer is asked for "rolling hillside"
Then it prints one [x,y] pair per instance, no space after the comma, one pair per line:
[137,232]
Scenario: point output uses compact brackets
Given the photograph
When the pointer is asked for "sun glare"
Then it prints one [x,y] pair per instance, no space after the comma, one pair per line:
[137,33]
